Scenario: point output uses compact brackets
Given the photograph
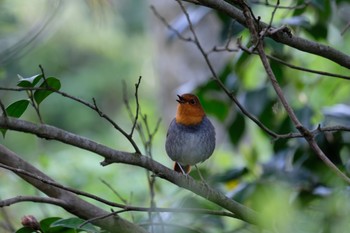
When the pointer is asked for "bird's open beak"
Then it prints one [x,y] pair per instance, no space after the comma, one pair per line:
[181,100]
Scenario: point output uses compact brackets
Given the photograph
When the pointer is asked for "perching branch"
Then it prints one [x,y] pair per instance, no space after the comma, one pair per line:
[69,201]
[113,156]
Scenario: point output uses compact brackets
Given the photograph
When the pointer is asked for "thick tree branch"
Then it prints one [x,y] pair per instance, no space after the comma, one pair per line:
[126,207]
[68,201]
[281,36]
[114,156]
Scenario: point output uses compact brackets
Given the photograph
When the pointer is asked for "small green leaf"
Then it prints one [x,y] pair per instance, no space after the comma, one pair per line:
[75,223]
[16,110]
[29,82]
[40,95]
[45,224]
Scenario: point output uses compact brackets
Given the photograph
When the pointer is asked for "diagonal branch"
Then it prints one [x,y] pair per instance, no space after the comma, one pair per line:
[69,201]
[281,36]
[18,199]
[114,156]
[217,79]
[309,137]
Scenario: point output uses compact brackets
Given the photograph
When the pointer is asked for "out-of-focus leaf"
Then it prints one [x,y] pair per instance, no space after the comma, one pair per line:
[299,10]
[276,47]
[284,127]
[40,95]
[255,100]
[236,129]
[318,31]
[245,192]
[28,82]
[278,71]
[45,224]
[323,8]
[16,110]
[231,174]
[217,108]
[305,115]
[25,230]
[228,27]
[268,117]
[242,60]
[74,223]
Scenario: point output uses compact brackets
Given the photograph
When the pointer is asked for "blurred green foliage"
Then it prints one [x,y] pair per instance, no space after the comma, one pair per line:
[91,47]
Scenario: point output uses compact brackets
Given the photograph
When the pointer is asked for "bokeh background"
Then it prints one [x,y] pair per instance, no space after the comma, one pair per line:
[95,46]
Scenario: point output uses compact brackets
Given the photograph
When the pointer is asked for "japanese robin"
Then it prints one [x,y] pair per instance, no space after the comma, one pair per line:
[191,135]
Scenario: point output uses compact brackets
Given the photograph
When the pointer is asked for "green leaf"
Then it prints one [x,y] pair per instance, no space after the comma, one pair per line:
[25,230]
[45,224]
[236,129]
[29,82]
[40,95]
[75,223]
[16,110]
[255,100]
[319,31]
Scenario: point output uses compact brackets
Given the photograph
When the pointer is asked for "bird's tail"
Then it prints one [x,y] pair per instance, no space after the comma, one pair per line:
[184,169]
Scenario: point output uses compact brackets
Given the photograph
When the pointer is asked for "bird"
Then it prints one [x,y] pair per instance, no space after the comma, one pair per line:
[191,136]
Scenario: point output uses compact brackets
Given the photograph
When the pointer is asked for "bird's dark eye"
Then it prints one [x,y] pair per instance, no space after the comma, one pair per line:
[192,101]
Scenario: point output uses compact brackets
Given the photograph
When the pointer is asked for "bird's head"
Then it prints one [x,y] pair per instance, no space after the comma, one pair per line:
[189,110]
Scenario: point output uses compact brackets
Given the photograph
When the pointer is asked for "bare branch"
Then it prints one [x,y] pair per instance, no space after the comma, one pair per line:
[345,29]
[18,199]
[309,137]
[281,36]
[217,79]
[165,22]
[70,202]
[266,3]
[114,156]
[3,109]
[93,106]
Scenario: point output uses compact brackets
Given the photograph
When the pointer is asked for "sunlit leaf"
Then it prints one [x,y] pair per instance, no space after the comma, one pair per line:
[40,95]
[28,82]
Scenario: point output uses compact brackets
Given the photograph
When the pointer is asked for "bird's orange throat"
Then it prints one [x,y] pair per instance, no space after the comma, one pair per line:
[189,115]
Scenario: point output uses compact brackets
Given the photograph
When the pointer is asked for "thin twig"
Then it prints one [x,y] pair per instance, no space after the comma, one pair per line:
[94,107]
[266,3]
[345,29]
[137,112]
[171,28]
[3,109]
[18,199]
[308,136]
[265,31]
[216,78]
[296,42]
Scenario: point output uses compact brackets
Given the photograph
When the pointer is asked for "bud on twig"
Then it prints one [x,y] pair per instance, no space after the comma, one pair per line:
[31,222]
